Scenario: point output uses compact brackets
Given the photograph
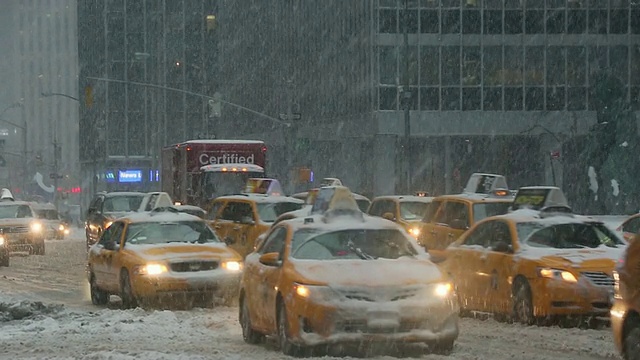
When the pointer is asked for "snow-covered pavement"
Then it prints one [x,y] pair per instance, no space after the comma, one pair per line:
[65,325]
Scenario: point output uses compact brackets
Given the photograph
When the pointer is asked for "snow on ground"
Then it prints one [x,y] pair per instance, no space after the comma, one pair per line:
[45,313]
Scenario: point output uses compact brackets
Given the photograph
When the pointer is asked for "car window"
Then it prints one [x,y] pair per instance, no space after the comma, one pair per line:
[500,233]
[215,208]
[431,210]
[480,235]
[632,226]
[112,233]
[24,211]
[453,210]
[269,212]
[376,208]
[484,210]
[126,203]
[568,236]
[275,241]
[236,210]
[413,210]
[169,232]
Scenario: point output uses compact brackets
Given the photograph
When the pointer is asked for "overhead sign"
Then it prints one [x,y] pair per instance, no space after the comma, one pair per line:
[129,176]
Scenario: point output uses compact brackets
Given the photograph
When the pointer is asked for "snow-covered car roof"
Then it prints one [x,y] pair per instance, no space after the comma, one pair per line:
[407,198]
[160,216]
[124,193]
[259,198]
[342,222]
[527,215]
[477,197]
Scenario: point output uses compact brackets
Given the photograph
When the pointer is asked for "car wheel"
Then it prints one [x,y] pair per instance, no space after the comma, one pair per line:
[631,344]
[98,296]
[249,335]
[523,304]
[442,347]
[39,248]
[4,260]
[126,292]
[286,346]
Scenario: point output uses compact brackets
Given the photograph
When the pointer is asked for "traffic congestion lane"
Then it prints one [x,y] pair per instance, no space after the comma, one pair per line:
[59,278]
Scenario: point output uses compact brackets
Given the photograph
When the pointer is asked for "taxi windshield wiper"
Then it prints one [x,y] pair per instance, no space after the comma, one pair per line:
[356,250]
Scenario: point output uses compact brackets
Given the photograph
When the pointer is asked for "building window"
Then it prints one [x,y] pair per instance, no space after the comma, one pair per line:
[576,98]
[597,59]
[450,65]
[619,63]
[471,22]
[388,65]
[513,98]
[492,98]
[635,21]
[410,73]
[534,22]
[513,66]
[556,62]
[492,73]
[513,20]
[555,98]
[388,21]
[429,65]
[635,65]
[534,58]
[534,98]
[429,22]
[388,97]
[619,21]
[555,21]
[451,98]
[492,22]
[471,98]
[450,21]
[410,19]
[429,98]
[471,69]
[597,21]
[576,21]
[576,65]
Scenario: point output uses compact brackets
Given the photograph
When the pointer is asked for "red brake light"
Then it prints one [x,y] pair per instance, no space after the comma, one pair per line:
[264,149]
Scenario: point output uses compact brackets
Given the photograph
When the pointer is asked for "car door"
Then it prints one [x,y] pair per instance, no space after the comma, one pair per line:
[111,257]
[99,257]
[453,222]
[236,219]
[223,218]
[213,213]
[428,234]
[465,264]
[498,267]
[267,279]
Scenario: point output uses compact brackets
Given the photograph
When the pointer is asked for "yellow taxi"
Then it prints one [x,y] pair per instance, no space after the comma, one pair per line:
[535,265]
[240,219]
[625,312]
[162,256]
[406,210]
[343,277]
[449,216]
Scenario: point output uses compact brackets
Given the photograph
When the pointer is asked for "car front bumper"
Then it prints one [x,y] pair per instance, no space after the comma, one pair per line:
[217,282]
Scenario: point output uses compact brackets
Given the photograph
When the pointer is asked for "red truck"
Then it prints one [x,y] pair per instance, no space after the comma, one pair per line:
[196,171]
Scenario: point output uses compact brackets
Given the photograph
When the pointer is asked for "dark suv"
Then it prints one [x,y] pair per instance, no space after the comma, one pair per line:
[105,208]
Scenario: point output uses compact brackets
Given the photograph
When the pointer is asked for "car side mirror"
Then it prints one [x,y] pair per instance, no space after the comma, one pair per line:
[270,259]
[502,247]
[111,245]
[388,216]
[459,224]
[247,220]
[229,241]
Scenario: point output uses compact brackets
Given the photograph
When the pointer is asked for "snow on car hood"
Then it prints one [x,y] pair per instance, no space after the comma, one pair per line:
[17,221]
[182,251]
[573,257]
[379,272]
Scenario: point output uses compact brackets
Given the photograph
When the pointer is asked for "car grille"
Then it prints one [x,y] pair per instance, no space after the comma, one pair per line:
[378,294]
[14,229]
[193,266]
[360,326]
[599,278]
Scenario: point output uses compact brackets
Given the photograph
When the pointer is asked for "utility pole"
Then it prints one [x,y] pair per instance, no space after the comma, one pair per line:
[407,95]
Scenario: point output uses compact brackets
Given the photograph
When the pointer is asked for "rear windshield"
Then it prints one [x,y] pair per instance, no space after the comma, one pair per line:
[567,236]
[125,203]
[484,210]
[269,212]
[413,210]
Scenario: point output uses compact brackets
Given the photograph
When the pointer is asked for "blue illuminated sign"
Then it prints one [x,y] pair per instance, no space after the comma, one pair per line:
[110,176]
[129,176]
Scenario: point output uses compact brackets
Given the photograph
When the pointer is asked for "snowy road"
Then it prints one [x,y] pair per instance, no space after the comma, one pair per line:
[79,330]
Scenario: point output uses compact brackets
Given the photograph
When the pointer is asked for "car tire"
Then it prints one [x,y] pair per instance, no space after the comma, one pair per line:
[126,292]
[442,347]
[286,346]
[523,303]
[98,296]
[39,248]
[249,335]
[631,344]
[4,260]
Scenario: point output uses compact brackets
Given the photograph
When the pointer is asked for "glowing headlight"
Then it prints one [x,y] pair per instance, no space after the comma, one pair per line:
[315,292]
[151,269]
[60,227]
[443,290]
[414,231]
[107,224]
[2,240]
[36,227]
[557,274]
[66,231]
[232,265]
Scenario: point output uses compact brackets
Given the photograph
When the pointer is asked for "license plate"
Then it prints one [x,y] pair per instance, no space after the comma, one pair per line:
[383,319]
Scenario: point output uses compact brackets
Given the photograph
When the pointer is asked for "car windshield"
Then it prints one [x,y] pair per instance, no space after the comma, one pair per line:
[45,214]
[169,232]
[365,244]
[123,203]
[269,212]
[15,211]
[363,204]
[567,236]
[413,210]
[484,210]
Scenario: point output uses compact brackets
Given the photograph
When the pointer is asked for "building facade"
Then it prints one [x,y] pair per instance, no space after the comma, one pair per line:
[40,113]
[146,67]
[454,86]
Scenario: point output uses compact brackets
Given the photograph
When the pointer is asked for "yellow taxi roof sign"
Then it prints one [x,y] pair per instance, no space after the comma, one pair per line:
[483,183]
[334,198]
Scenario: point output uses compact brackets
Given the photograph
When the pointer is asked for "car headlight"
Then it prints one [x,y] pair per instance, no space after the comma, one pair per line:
[60,227]
[232,265]
[2,240]
[36,227]
[107,224]
[66,231]
[414,231]
[557,274]
[151,269]
[314,292]
[443,290]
